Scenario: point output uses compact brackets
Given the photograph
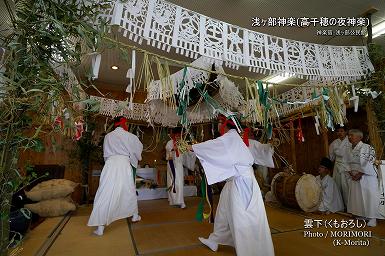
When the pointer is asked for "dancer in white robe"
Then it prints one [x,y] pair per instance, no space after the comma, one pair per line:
[262,154]
[338,154]
[175,172]
[364,193]
[240,219]
[331,196]
[116,195]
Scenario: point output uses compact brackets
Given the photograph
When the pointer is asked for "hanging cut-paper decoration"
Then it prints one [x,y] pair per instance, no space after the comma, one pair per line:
[164,25]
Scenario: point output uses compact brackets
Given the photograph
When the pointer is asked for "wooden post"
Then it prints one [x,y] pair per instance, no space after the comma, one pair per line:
[326,142]
[292,146]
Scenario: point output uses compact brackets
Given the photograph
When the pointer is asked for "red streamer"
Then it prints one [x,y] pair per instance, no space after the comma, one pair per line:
[246,132]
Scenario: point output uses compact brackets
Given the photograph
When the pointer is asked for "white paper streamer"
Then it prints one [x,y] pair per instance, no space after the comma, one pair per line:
[355,99]
[96,59]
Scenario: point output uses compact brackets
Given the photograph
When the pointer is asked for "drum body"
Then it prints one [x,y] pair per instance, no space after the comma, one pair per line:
[297,191]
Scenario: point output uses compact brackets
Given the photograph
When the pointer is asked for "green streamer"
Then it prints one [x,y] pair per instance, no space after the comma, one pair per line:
[199,213]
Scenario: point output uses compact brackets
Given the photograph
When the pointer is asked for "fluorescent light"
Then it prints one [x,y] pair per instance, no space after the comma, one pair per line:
[275,79]
[378,29]
[114,67]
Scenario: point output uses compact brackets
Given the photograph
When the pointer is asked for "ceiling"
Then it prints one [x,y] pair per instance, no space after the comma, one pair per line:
[241,12]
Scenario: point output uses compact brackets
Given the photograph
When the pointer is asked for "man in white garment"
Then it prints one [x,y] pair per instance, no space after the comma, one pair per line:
[331,196]
[364,194]
[175,172]
[240,219]
[116,195]
[262,154]
[337,152]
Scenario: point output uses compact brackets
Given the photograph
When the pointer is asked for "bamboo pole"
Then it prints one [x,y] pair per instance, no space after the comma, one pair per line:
[325,139]
[292,146]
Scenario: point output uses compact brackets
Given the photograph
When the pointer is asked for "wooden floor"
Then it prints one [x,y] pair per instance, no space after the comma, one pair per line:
[165,230]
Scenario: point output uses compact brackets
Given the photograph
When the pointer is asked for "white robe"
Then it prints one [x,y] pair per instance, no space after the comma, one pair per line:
[382,190]
[364,194]
[121,142]
[263,157]
[240,220]
[331,196]
[188,159]
[177,197]
[116,195]
[262,153]
[338,153]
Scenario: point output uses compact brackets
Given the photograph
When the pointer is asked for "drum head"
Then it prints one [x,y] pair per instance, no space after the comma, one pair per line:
[274,179]
[308,193]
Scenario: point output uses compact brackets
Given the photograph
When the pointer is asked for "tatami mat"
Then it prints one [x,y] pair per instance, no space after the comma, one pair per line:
[198,250]
[160,237]
[158,211]
[35,238]
[77,239]
[166,230]
[282,220]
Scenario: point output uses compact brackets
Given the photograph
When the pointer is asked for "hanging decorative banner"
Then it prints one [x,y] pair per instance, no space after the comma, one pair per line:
[297,98]
[165,25]
[95,63]
[113,108]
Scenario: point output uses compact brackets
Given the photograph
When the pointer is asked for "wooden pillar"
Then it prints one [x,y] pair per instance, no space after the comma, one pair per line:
[325,139]
[292,147]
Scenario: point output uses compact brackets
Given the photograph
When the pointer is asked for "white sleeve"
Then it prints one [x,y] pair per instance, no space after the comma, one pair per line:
[332,154]
[367,157]
[106,147]
[169,147]
[327,195]
[262,154]
[215,159]
[138,148]
[189,159]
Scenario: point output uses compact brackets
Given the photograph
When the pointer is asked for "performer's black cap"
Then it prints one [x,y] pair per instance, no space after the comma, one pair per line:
[325,162]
